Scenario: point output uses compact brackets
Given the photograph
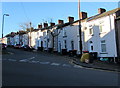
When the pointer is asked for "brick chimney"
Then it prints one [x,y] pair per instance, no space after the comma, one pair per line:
[39,26]
[70,19]
[52,24]
[60,21]
[83,15]
[101,10]
[45,24]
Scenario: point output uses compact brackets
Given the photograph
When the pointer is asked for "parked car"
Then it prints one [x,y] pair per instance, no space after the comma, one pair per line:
[22,46]
[17,46]
[3,45]
[26,47]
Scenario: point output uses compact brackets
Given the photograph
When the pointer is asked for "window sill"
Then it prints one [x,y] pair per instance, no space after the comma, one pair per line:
[64,36]
[103,53]
[91,34]
[102,33]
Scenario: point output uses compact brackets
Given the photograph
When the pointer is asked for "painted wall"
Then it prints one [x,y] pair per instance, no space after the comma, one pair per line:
[68,35]
[107,34]
[25,39]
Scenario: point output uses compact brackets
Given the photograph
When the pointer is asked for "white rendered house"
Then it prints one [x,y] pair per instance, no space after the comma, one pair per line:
[99,35]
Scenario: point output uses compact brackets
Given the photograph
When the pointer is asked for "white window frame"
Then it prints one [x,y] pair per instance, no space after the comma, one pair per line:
[101,26]
[64,32]
[102,49]
[90,30]
[65,44]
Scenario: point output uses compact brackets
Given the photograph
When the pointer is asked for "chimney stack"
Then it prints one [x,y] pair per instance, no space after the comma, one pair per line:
[101,10]
[70,19]
[52,24]
[60,21]
[83,15]
[45,24]
[39,26]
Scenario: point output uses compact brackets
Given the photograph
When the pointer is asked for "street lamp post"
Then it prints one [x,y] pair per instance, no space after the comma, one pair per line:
[3,23]
[30,33]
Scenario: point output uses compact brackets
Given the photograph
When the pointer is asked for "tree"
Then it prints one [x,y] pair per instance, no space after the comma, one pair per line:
[54,32]
[27,26]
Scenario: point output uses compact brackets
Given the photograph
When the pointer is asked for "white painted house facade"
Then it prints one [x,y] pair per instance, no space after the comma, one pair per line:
[68,38]
[100,34]
[25,39]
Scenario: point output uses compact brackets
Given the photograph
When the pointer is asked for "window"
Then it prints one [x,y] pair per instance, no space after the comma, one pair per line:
[44,33]
[65,44]
[72,45]
[101,28]
[64,33]
[103,46]
[90,31]
[92,48]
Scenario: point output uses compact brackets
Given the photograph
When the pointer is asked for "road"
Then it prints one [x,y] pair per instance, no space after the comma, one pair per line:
[23,68]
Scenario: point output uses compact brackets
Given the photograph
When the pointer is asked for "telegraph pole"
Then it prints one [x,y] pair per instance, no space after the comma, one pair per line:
[80,36]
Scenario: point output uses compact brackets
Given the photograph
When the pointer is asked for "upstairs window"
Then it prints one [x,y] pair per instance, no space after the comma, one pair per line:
[64,33]
[101,28]
[90,30]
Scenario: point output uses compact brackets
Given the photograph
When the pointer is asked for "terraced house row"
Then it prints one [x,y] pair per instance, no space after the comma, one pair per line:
[100,34]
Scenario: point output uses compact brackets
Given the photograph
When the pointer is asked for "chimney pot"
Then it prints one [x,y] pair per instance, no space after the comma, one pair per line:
[52,24]
[83,15]
[39,26]
[101,10]
[45,24]
[60,21]
[70,19]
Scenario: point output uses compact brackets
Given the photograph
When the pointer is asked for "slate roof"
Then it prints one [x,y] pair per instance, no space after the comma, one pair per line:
[103,14]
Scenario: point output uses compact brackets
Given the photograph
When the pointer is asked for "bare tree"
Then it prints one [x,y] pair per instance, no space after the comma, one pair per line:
[27,26]
[54,31]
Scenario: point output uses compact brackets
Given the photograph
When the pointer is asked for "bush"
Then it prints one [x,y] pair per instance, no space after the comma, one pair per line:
[85,57]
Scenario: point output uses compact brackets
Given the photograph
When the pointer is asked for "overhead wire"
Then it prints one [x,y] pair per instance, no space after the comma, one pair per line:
[25,13]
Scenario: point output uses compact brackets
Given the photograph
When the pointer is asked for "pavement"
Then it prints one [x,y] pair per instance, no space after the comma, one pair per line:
[98,65]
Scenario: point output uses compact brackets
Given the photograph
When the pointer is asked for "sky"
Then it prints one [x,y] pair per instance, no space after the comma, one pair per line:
[39,12]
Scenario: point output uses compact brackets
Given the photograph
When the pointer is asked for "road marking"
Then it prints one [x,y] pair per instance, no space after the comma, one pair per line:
[31,58]
[24,60]
[77,66]
[44,62]
[10,53]
[12,60]
[35,61]
[56,64]
[66,65]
